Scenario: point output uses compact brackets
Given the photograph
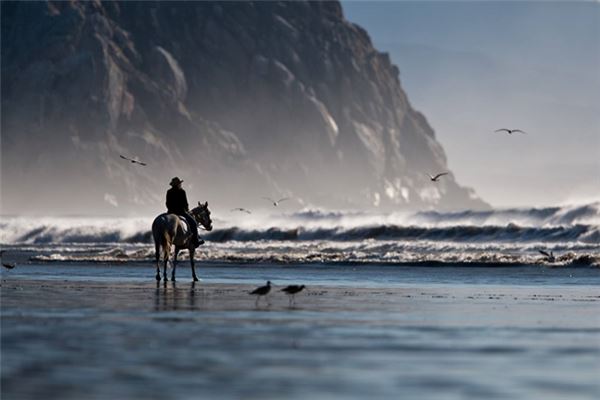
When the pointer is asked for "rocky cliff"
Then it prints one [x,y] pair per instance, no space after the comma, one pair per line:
[241,100]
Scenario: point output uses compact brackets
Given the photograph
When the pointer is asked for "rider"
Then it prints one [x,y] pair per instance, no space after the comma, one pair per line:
[177,204]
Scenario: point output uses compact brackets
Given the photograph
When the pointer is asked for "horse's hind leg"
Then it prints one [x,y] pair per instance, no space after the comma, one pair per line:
[166,252]
[194,277]
[157,256]
[174,264]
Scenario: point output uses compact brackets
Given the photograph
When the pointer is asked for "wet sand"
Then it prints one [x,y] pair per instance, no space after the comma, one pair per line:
[107,340]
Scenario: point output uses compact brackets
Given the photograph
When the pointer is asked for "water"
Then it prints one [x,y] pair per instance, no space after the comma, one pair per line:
[105,331]
[492,238]
[360,275]
[427,306]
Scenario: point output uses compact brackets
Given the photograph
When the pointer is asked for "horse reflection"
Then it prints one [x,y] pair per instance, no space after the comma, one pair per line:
[168,297]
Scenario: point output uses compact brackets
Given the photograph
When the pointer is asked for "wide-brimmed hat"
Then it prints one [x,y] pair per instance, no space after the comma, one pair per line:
[175,181]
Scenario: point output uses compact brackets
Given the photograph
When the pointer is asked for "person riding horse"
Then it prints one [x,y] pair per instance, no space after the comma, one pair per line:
[177,204]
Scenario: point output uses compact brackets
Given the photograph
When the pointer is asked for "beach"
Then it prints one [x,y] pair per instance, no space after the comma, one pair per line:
[104,331]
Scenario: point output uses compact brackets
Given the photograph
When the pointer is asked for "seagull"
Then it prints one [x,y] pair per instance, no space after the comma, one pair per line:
[9,265]
[549,257]
[276,202]
[291,292]
[262,291]
[132,160]
[509,131]
[435,178]
[241,210]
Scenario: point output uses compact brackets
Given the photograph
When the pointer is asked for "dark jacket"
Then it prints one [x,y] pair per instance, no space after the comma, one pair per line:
[177,201]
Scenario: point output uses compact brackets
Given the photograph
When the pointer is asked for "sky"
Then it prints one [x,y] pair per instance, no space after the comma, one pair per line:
[474,67]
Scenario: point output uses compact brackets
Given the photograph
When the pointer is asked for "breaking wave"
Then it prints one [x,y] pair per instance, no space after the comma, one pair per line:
[370,252]
[462,233]
[552,225]
[508,237]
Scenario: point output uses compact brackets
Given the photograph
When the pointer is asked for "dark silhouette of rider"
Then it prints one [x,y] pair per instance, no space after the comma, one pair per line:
[177,204]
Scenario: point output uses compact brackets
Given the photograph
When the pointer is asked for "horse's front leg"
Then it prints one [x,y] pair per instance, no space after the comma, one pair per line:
[166,252]
[174,264]
[192,251]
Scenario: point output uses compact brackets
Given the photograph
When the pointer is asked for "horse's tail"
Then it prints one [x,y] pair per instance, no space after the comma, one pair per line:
[161,237]
[162,242]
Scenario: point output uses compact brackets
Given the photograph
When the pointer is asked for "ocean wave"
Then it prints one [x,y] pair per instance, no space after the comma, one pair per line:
[394,252]
[332,255]
[461,233]
[552,224]
[588,214]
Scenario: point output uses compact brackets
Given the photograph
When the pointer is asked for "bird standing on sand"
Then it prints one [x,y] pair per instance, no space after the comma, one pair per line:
[438,176]
[276,202]
[241,210]
[7,265]
[510,131]
[132,160]
[262,291]
[548,257]
[291,292]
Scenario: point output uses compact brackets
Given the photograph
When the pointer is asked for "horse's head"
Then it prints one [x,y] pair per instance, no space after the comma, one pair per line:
[202,215]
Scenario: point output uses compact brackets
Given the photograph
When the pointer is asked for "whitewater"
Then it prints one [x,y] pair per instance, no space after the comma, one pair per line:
[498,237]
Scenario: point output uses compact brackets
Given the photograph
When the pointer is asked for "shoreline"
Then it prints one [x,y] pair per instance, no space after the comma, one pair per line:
[44,293]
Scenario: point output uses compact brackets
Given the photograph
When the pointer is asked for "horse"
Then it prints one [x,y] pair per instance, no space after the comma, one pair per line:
[171,229]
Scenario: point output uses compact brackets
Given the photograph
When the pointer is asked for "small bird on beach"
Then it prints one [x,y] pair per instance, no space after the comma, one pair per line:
[240,209]
[438,176]
[132,160]
[6,265]
[262,291]
[9,265]
[291,291]
[548,257]
[510,131]
[276,202]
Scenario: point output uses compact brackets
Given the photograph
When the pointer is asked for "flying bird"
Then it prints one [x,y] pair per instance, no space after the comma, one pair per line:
[438,176]
[291,292]
[132,160]
[549,257]
[262,291]
[9,265]
[509,131]
[276,202]
[241,210]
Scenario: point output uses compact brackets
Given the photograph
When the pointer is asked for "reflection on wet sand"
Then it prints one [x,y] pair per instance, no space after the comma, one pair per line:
[169,297]
[67,339]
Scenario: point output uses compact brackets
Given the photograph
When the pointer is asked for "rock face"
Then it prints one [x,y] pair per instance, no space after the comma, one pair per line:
[241,100]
